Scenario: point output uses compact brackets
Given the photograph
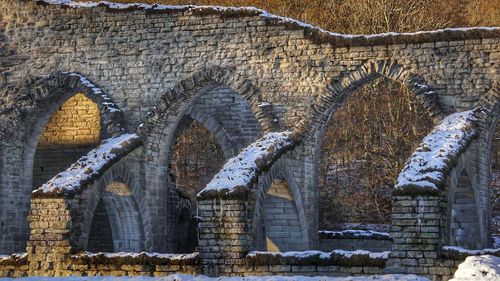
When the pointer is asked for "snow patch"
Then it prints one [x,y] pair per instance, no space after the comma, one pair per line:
[482,268]
[241,170]
[426,166]
[89,165]
[15,256]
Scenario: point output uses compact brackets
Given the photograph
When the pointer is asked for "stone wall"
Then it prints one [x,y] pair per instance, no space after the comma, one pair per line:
[329,242]
[240,73]
[15,265]
[280,69]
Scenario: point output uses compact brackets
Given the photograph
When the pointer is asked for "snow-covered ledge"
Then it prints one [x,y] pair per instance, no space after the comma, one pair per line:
[336,257]
[89,166]
[135,258]
[241,171]
[459,253]
[425,172]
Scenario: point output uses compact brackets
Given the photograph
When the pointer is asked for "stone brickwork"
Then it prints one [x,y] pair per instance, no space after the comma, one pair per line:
[241,73]
[281,222]
[77,122]
[416,233]
[71,132]
[352,243]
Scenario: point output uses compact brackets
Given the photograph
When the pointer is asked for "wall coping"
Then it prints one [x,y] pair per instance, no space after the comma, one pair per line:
[316,34]
[319,258]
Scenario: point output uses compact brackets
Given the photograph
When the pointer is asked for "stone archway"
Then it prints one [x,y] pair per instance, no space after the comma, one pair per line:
[111,219]
[37,99]
[279,222]
[332,97]
[72,131]
[219,87]
[464,227]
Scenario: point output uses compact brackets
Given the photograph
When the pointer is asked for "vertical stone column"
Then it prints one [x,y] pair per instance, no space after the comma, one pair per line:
[49,242]
[416,233]
[224,235]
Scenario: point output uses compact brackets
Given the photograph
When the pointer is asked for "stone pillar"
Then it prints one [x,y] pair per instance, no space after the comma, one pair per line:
[416,233]
[224,235]
[49,242]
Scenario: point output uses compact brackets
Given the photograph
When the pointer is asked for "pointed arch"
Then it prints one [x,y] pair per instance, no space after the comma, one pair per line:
[25,111]
[464,226]
[113,198]
[337,91]
[159,129]
[279,221]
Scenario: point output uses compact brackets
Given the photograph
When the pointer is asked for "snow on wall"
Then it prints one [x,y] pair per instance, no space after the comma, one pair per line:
[354,234]
[137,255]
[482,268]
[243,169]
[323,255]
[13,257]
[108,104]
[427,167]
[459,253]
[284,20]
[90,165]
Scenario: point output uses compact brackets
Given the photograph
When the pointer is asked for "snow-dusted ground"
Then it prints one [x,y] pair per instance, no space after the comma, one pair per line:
[181,277]
[478,268]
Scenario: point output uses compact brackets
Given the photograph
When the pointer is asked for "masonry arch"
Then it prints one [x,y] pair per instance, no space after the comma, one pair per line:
[464,222]
[222,87]
[332,104]
[489,166]
[112,219]
[279,221]
[494,187]
[333,96]
[37,99]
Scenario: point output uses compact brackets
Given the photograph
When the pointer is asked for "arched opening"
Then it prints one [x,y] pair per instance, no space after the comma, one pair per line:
[363,149]
[116,225]
[71,132]
[464,220]
[196,158]
[281,225]
[101,235]
[495,186]
[212,101]
[187,236]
